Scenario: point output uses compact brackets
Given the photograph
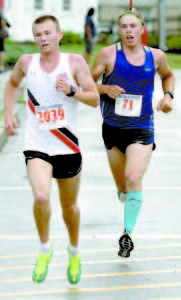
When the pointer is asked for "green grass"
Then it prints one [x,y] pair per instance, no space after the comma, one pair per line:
[174,60]
[79,49]
[13,50]
[1,113]
[1,118]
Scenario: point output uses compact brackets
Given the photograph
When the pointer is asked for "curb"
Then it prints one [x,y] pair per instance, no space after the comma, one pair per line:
[3,135]
[3,138]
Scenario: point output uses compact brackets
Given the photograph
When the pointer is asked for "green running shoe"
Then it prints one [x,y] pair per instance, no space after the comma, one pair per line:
[74,268]
[41,269]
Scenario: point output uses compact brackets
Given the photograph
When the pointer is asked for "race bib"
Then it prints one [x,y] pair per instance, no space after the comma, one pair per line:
[128,105]
[50,117]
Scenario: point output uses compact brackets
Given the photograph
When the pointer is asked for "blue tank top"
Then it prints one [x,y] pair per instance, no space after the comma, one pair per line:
[136,104]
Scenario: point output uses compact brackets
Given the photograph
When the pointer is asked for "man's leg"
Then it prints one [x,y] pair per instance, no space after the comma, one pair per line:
[68,189]
[88,46]
[137,160]
[117,162]
[1,61]
[40,173]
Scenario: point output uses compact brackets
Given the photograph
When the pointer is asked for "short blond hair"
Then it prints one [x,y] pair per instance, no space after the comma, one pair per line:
[132,12]
[45,18]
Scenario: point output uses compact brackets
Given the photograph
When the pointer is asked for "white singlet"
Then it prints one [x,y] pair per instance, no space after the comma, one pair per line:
[42,86]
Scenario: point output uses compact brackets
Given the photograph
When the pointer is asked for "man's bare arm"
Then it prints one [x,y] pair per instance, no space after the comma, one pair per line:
[104,64]
[3,24]
[87,93]
[14,81]
[167,79]
[165,73]
[16,77]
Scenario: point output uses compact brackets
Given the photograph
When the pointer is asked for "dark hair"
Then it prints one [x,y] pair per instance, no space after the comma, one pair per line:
[45,18]
[90,12]
[133,12]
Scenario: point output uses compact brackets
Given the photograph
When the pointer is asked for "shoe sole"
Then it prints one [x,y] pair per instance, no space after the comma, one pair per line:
[126,246]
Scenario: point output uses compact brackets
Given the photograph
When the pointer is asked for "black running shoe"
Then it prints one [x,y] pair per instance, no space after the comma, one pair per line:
[126,245]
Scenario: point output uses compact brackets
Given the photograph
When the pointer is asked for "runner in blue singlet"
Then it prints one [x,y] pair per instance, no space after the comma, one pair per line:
[128,70]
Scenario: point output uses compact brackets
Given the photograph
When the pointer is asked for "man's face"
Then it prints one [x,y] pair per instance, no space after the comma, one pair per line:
[130,30]
[46,36]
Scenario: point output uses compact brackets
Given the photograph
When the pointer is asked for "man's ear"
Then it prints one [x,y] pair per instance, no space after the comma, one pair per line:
[61,35]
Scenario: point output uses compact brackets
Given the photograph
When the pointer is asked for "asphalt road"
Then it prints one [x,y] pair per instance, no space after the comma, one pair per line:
[154,269]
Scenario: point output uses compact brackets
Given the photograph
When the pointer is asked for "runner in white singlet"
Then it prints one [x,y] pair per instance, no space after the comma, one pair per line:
[42,86]
[56,82]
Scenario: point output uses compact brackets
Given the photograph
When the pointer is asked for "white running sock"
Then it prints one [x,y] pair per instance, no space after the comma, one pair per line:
[45,247]
[74,250]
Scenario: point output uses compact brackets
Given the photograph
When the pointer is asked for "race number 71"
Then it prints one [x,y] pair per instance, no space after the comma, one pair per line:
[128,104]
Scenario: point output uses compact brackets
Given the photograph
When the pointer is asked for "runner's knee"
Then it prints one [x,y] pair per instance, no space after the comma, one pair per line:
[41,199]
[133,179]
[69,210]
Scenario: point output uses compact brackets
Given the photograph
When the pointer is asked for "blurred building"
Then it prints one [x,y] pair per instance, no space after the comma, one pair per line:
[109,11]
[21,14]
[71,13]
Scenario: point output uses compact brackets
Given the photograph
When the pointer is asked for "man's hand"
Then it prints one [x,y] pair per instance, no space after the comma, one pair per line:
[62,85]
[10,123]
[165,105]
[114,91]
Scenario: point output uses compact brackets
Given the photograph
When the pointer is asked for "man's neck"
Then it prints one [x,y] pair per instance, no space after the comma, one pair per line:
[50,57]
[133,49]
[50,61]
[135,55]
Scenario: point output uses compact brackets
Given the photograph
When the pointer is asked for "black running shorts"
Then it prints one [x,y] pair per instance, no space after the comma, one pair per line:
[121,138]
[64,166]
